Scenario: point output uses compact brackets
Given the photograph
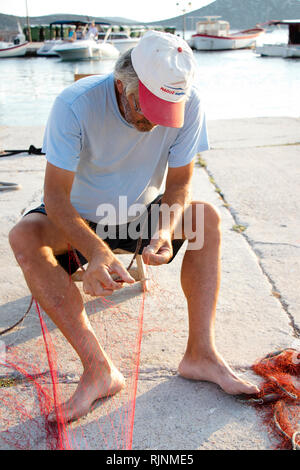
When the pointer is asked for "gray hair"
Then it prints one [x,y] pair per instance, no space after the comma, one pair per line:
[125,72]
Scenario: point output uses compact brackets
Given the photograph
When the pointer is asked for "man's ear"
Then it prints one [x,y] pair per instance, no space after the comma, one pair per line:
[119,86]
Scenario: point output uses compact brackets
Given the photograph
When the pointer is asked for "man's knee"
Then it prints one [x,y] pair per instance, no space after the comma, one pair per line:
[25,238]
[212,216]
[205,216]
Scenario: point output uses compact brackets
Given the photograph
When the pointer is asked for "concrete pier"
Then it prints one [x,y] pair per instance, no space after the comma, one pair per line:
[252,175]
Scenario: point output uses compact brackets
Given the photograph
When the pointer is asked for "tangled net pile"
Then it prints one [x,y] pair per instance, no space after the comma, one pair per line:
[279,397]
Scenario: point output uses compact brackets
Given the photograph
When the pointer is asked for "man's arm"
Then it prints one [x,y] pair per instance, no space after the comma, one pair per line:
[177,194]
[102,262]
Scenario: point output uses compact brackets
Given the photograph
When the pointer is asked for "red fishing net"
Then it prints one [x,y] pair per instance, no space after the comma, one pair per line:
[40,371]
[38,375]
[279,397]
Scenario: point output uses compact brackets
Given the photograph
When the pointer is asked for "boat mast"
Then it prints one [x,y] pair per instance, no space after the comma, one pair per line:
[28,24]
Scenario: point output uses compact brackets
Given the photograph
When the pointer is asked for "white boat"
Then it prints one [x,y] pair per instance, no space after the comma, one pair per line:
[287,50]
[213,34]
[16,48]
[8,49]
[47,49]
[86,49]
[122,41]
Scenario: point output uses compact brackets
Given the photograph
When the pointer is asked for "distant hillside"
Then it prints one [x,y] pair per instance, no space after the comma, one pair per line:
[241,14]
[10,21]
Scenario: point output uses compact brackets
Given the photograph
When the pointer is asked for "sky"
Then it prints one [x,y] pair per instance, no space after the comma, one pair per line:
[132,9]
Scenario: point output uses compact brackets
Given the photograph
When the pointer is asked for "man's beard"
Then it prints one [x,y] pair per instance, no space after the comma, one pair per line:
[142,125]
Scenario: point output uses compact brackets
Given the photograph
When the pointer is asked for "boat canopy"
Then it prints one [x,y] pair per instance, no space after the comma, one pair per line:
[211,25]
[294,29]
[287,22]
[76,22]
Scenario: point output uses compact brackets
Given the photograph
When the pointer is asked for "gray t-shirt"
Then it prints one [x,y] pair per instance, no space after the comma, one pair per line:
[113,161]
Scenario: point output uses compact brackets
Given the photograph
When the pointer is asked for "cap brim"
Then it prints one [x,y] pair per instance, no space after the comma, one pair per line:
[158,111]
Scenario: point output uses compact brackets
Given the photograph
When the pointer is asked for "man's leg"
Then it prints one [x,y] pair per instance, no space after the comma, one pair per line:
[34,241]
[200,280]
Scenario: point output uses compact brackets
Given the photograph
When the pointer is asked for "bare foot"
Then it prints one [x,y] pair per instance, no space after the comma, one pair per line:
[215,370]
[91,387]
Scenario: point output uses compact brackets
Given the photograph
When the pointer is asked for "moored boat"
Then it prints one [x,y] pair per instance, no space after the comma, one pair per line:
[47,49]
[213,34]
[84,49]
[291,49]
[49,45]
[12,50]
[15,48]
[122,41]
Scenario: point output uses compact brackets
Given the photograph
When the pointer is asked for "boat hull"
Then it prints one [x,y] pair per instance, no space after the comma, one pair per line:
[47,49]
[279,50]
[108,51]
[242,40]
[86,50]
[124,45]
[18,50]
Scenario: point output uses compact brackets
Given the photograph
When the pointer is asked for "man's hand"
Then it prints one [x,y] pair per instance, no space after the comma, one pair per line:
[103,267]
[160,250]
[176,198]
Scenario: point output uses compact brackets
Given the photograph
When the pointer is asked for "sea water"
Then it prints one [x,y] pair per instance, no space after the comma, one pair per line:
[233,84]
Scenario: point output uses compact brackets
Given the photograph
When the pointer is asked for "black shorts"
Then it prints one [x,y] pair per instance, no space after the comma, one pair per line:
[69,262]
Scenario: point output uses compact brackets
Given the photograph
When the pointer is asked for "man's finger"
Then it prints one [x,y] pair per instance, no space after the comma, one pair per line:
[152,258]
[123,273]
[156,260]
[101,292]
[154,246]
[103,277]
[95,290]
[98,291]
[92,280]
[86,287]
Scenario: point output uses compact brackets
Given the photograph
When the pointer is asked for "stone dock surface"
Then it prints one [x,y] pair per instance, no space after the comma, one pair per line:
[252,175]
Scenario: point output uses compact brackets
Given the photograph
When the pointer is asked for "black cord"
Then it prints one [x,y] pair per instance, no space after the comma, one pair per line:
[19,321]
[31,151]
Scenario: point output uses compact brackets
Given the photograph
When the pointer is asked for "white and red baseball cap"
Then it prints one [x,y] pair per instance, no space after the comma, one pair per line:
[165,66]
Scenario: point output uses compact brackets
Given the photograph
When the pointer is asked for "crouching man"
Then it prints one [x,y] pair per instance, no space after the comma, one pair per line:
[108,137]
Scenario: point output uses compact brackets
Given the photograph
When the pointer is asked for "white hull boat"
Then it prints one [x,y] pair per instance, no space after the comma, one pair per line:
[47,49]
[278,50]
[8,49]
[289,50]
[241,40]
[16,48]
[213,35]
[121,41]
[85,50]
